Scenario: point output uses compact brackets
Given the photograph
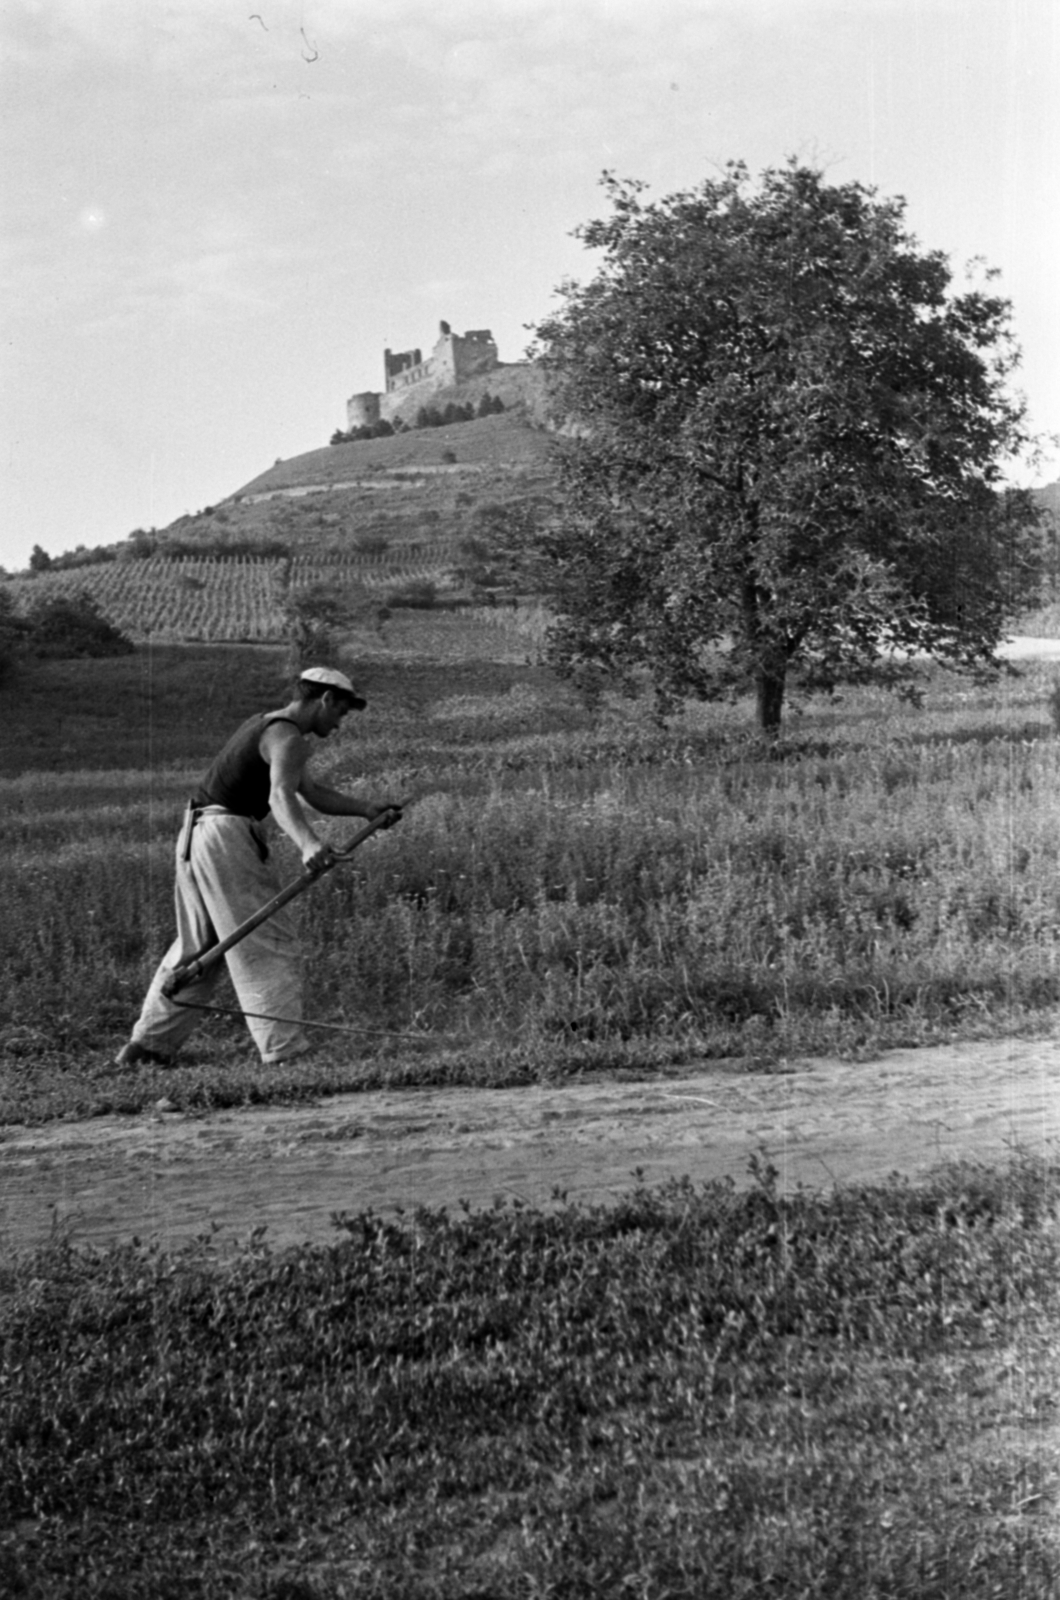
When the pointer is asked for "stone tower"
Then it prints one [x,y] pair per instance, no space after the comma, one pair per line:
[362,410]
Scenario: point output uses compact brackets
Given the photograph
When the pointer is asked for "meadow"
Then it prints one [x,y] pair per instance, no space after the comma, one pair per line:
[695,1392]
[569,890]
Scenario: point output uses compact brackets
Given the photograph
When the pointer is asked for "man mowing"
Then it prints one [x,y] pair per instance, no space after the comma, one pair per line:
[223,876]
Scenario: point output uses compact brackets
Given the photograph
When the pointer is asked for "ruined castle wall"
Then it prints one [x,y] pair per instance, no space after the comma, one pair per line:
[443,360]
[474,353]
[409,377]
[399,369]
[413,395]
[455,357]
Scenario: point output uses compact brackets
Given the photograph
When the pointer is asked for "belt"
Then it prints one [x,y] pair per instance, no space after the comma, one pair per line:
[193,814]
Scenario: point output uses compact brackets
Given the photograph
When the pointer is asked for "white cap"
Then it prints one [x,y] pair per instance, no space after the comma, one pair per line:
[333,679]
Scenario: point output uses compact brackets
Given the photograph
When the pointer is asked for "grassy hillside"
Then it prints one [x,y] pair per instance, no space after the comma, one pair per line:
[490,444]
[425,484]
[1049,497]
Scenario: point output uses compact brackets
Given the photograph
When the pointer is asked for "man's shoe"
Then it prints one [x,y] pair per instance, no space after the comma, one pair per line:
[135,1054]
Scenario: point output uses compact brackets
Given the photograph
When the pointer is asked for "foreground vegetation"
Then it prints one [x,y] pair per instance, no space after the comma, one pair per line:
[568,890]
[691,1393]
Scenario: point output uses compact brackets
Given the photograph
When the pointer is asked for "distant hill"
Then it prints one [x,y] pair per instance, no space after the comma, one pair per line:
[420,518]
[1049,497]
[429,514]
[453,489]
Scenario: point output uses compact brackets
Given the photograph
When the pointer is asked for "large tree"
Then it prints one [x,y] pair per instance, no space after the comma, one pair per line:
[783,436]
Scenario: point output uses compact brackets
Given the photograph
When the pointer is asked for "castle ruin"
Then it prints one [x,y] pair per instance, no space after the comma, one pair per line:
[455,358]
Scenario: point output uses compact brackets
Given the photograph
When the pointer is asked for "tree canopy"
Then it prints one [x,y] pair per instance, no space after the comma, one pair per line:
[783,434]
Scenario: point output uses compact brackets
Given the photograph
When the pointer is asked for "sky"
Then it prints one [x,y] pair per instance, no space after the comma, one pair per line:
[216,214]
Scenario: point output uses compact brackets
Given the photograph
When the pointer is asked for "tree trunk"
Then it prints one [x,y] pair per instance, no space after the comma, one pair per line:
[769,696]
[770,657]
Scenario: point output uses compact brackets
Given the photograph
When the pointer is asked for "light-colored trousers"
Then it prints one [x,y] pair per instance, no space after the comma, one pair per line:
[221,881]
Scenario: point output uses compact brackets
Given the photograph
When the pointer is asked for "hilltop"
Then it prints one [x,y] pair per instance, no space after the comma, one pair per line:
[406,487]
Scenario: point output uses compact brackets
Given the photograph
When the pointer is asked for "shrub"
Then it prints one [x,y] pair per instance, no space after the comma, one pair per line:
[140,545]
[73,625]
[82,556]
[418,594]
[12,632]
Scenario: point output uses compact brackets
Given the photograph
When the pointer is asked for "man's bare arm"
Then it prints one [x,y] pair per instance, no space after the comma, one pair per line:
[286,753]
[331,803]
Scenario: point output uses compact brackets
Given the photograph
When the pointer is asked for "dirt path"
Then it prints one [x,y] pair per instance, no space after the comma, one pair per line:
[170,1176]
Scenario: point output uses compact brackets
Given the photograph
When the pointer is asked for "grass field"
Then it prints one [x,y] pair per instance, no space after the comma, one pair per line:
[567,891]
[688,1394]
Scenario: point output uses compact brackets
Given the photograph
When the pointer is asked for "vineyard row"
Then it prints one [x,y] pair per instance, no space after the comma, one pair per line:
[219,600]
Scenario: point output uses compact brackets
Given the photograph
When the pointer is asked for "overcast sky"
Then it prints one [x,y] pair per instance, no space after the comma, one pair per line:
[217,213]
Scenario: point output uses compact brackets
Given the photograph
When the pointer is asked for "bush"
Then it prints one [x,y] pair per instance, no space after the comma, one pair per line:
[374,430]
[418,594]
[82,556]
[139,546]
[72,625]
[12,633]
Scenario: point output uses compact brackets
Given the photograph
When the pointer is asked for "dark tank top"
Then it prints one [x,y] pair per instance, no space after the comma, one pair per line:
[239,779]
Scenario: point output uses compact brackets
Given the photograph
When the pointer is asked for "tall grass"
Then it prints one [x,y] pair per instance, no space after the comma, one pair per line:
[578,883]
